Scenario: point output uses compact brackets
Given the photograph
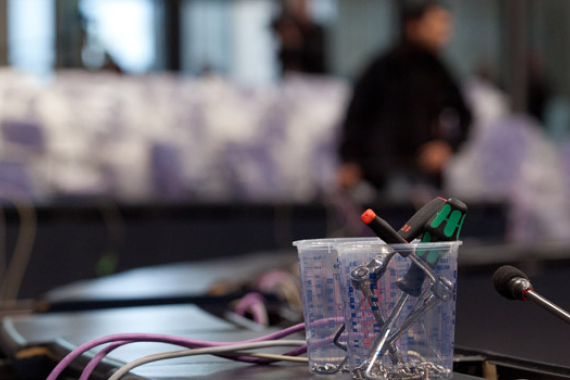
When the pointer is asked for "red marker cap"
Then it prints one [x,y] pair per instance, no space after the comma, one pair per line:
[368,216]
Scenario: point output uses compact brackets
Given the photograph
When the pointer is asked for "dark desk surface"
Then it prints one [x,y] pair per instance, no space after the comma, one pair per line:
[485,320]
[60,332]
[188,279]
[194,278]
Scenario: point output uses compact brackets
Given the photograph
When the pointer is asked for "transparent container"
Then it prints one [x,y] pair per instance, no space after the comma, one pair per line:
[323,305]
[400,320]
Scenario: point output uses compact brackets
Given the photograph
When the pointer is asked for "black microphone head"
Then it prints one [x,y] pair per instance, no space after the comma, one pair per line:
[502,280]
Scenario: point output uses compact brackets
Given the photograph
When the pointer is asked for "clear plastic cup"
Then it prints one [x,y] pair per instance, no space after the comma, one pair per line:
[323,306]
[396,334]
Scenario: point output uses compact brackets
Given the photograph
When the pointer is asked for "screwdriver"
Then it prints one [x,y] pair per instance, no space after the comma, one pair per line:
[445,225]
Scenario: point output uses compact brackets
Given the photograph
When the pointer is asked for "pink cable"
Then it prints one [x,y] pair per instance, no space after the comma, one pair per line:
[254,303]
[270,279]
[121,339]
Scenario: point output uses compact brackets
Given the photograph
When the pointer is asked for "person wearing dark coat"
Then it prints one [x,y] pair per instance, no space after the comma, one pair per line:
[407,115]
[302,40]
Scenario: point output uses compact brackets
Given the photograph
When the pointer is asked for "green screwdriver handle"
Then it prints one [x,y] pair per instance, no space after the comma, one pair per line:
[445,225]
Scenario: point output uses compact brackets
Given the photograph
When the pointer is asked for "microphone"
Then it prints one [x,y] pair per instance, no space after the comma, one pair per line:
[514,284]
[511,283]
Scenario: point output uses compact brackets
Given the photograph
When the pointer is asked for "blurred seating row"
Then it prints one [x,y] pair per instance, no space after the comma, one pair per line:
[167,137]
[175,138]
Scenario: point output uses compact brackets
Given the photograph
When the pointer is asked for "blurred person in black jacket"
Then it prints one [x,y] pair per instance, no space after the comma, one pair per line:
[302,40]
[407,115]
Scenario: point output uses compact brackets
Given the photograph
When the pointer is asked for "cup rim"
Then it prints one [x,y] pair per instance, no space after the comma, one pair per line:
[333,241]
[414,245]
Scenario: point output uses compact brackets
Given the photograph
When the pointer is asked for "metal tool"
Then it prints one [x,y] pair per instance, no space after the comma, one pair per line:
[444,225]
[385,333]
[442,293]
[364,279]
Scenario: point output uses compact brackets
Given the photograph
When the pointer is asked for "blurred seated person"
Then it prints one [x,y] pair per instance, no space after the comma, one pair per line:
[302,41]
[538,88]
[407,115]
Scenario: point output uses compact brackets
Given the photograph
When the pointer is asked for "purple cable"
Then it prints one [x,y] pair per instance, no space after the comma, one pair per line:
[90,367]
[93,363]
[248,359]
[120,339]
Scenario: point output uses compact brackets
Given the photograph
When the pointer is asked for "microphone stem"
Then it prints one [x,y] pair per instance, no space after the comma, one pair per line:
[533,296]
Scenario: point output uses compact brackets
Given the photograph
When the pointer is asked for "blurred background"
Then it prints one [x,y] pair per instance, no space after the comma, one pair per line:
[144,132]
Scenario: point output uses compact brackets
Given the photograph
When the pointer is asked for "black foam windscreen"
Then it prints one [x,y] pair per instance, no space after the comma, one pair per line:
[502,278]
